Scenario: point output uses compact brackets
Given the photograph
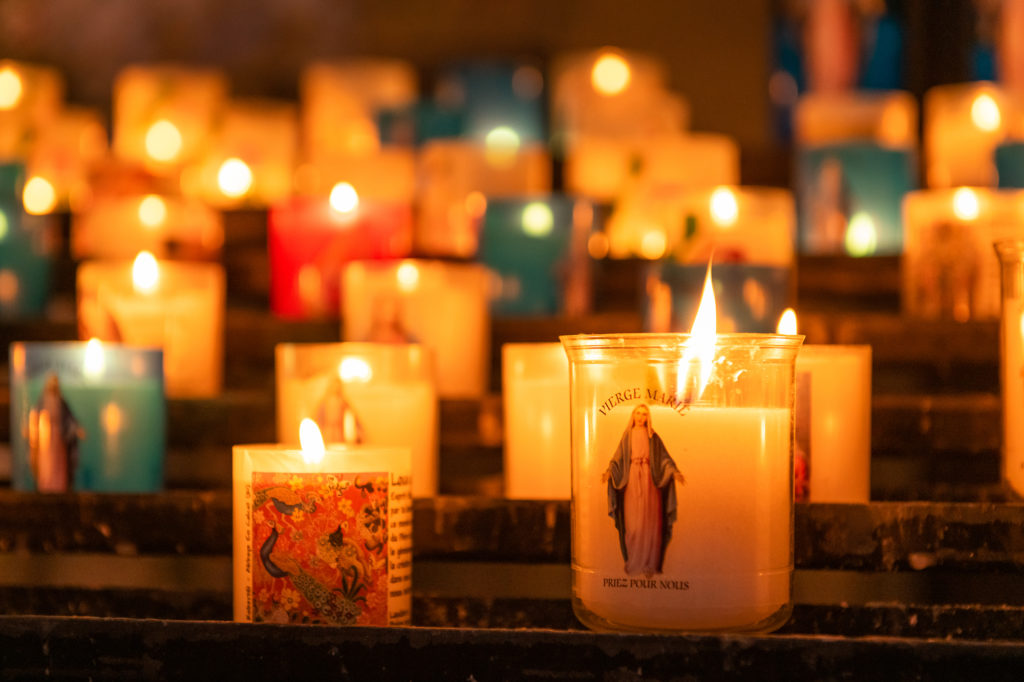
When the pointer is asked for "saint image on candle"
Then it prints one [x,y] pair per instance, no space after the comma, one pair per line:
[53,435]
[335,414]
[642,494]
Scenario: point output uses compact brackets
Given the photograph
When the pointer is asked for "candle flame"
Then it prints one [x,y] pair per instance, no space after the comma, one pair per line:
[538,221]
[152,211]
[787,323]
[724,208]
[965,204]
[234,178]
[163,141]
[312,442]
[355,369]
[985,113]
[39,196]
[408,276]
[610,74]
[700,347]
[145,272]
[11,88]
[344,198]
[94,359]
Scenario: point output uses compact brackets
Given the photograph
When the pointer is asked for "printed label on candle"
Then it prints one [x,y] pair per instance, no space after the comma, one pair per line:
[329,548]
[698,499]
[802,445]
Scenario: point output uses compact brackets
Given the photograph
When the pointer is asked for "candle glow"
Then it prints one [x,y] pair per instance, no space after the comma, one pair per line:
[965,204]
[312,442]
[611,74]
[234,178]
[11,88]
[985,113]
[344,198]
[94,360]
[152,211]
[724,209]
[145,273]
[163,141]
[39,196]
[537,219]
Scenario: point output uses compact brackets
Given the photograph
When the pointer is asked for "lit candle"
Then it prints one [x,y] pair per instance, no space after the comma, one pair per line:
[612,92]
[856,158]
[250,158]
[387,176]
[443,305]
[605,168]
[340,101]
[87,416]
[362,393]
[538,248]
[322,535]
[750,231]
[488,95]
[310,241]
[63,155]
[535,387]
[682,478]
[832,461]
[947,269]
[27,245]
[164,115]
[31,97]
[121,226]
[963,124]
[176,306]
[458,177]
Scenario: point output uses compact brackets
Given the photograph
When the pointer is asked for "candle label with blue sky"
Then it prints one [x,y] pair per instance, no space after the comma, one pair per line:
[329,548]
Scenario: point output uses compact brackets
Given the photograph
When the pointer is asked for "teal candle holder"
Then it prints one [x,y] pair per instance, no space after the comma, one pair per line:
[850,197]
[538,248]
[87,417]
[492,95]
[749,298]
[1010,165]
[26,246]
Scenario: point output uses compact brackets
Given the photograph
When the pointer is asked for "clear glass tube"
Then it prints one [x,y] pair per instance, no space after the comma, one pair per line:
[1011,344]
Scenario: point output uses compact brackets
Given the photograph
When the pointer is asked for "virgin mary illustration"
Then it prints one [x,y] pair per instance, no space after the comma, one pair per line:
[642,494]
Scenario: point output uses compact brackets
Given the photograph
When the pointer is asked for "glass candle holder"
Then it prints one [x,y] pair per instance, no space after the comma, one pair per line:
[115,226]
[27,247]
[173,305]
[87,416]
[682,481]
[443,305]
[832,458]
[325,542]
[604,168]
[1011,357]
[947,270]
[538,247]
[963,124]
[535,398]
[856,157]
[312,239]
[459,177]
[491,95]
[363,393]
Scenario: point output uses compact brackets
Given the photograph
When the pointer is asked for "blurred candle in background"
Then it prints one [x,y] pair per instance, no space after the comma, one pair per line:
[251,156]
[1010,253]
[363,393]
[963,124]
[832,414]
[490,95]
[175,306]
[164,115]
[166,226]
[311,239]
[442,305]
[948,271]
[340,101]
[535,398]
[28,244]
[856,159]
[750,231]
[537,247]
[87,416]
[31,97]
[63,156]
[458,177]
[606,168]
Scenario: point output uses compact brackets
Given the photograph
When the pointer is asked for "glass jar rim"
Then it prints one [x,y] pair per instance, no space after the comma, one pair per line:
[666,341]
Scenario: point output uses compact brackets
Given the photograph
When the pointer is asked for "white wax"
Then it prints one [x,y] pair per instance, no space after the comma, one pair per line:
[536,404]
[328,546]
[395,413]
[728,563]
[838,386]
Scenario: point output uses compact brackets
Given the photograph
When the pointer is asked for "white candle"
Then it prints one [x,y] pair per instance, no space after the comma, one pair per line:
[375,394]
[322,542]
[535,382]
[176,306]
[963,124]
[442,305]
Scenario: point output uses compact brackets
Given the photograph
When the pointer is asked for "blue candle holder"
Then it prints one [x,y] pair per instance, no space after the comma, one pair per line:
[538,248]
[1010,165]
[850,197]
[749,298]
[26,245]
[494,95]
[87,416]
